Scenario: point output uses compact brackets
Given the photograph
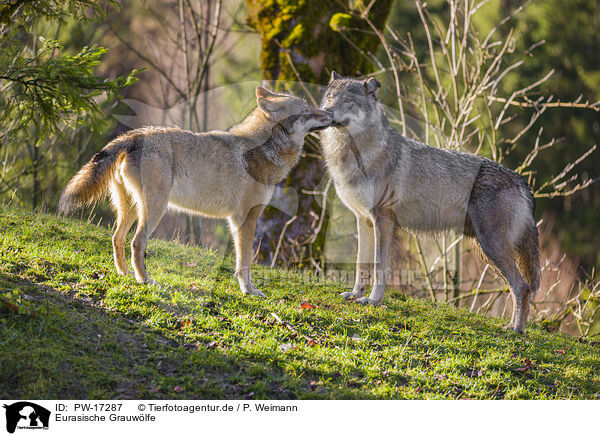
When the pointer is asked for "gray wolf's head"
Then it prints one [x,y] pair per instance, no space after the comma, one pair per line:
[352,101]
[298,116]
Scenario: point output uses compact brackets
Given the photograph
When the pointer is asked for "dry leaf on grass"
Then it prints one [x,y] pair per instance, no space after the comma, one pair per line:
[10,305]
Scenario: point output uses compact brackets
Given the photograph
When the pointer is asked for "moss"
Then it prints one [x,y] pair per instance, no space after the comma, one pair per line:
[340,21]
[310,34]
[295,37]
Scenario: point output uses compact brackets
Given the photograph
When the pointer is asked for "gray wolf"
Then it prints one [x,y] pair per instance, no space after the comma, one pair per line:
[390,181]
[223,174]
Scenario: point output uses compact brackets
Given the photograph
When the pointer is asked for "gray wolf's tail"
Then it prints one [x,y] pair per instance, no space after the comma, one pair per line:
[92,180]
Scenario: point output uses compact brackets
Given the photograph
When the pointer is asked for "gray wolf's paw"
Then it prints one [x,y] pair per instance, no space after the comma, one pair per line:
[513,328]
[351,295]
[365,301]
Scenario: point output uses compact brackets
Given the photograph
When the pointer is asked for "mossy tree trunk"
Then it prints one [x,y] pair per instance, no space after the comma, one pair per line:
[304,40]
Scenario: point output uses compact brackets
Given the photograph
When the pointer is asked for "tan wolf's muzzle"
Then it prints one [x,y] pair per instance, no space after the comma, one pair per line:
[322,116]
[334,122]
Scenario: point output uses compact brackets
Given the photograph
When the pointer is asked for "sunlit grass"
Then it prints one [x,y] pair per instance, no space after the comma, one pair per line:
[82,331]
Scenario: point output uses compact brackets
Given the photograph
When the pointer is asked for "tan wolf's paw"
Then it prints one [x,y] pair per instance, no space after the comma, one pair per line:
[254,291]
[365,301]
[351,295]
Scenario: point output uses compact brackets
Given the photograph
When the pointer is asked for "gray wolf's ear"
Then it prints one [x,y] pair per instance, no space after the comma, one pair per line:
[262,92]
[269,107]
[334,76]
[372,86]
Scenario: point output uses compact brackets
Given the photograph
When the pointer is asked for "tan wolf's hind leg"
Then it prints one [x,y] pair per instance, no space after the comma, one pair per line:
[242,230]
[155,189]
[126,216]
[148,219]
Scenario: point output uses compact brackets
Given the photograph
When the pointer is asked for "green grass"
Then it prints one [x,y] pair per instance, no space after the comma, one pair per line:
[82,331]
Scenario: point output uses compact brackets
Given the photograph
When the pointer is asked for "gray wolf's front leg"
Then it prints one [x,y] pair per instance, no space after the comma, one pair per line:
[363,259]
[243,235]
[383,231]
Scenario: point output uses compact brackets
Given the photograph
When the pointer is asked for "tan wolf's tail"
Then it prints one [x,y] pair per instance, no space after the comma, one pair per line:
[92,180]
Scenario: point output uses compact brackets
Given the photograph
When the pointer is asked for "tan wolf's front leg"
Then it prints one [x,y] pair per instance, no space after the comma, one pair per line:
[364,259]
[383,230]
[243,235]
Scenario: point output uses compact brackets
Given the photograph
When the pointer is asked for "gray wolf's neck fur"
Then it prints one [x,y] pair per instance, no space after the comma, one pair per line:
[363,145]
[375,130]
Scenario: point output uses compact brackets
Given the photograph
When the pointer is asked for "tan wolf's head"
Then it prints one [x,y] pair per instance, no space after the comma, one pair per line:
[352,101]
[292,111]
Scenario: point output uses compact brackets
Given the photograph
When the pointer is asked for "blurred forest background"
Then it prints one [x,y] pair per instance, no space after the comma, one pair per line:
[516,81]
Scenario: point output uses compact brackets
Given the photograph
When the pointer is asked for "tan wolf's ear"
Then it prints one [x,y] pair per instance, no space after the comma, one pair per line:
[334,76]
[269,107]
[372,86]
[265,102]
[263,92]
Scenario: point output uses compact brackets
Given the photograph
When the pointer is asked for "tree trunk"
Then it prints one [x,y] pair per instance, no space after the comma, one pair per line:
[299,43]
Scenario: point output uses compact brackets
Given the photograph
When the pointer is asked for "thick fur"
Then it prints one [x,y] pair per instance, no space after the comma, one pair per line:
[388,180]
[92,181]
[222,174]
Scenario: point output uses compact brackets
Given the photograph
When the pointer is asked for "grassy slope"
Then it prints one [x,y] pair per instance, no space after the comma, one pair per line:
[84,332]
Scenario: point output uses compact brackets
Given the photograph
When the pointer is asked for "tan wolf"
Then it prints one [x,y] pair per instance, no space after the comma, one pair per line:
[223,174]
[390,181]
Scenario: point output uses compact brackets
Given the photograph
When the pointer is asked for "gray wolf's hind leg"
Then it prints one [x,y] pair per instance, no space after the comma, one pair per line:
[501,255]
[126,216]
[364,259]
